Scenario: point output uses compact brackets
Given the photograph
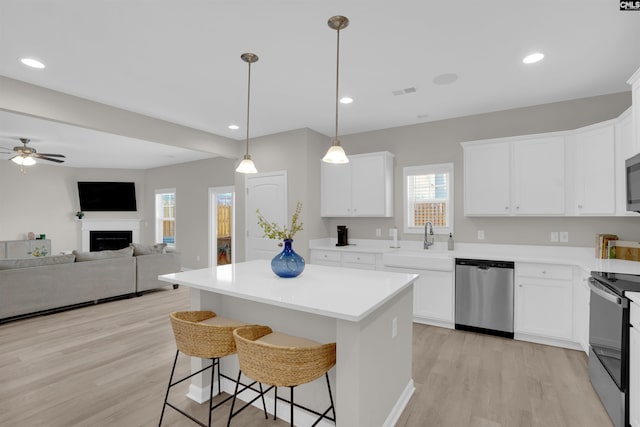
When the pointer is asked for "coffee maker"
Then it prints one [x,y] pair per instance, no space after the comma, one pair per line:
[343,235]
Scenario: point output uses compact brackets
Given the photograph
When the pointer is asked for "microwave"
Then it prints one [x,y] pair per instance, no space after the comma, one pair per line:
[632,166]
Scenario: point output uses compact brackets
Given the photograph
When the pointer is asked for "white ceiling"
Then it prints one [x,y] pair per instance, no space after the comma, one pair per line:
[180,61]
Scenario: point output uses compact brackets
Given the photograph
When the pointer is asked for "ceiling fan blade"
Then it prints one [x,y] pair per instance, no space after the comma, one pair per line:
[42,155]
[51,160]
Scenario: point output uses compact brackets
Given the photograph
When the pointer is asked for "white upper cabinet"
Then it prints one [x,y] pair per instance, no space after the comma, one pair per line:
[538,176]
[487,179]
[363,187]
[594,165]
[518,176]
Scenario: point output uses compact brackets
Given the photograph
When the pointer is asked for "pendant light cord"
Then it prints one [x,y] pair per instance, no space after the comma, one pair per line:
[248,103]
[337,77]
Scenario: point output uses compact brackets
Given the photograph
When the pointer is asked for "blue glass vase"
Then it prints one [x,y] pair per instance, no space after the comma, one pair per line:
[287,263]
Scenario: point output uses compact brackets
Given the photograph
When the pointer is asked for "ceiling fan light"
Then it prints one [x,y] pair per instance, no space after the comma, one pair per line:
[246,165]
[336,154]
[24,161]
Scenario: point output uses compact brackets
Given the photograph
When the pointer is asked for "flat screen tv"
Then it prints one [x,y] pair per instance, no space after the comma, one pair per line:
[107,196]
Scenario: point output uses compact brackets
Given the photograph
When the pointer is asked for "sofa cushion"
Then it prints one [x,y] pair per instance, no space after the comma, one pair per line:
[92,256]
[7,264]
[140,249]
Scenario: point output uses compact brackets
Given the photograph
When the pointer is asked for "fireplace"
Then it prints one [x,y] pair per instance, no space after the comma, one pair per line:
[118,225]
[108,240]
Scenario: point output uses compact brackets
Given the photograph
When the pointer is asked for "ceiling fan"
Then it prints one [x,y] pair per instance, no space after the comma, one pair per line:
[25,156]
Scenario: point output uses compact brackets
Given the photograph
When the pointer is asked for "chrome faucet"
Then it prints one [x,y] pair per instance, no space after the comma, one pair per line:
[428,231]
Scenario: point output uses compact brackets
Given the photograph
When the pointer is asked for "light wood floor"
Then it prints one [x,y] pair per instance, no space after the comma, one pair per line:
[107,365]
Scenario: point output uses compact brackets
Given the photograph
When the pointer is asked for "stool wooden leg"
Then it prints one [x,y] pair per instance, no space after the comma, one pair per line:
[166,396]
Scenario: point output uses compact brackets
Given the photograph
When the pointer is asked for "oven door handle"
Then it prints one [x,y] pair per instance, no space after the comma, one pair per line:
[596,288]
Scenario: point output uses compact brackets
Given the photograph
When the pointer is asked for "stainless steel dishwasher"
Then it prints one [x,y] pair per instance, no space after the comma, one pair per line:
[484,296]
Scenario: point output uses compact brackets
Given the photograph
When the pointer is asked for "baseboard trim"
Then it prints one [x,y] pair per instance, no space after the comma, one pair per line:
[400,405]
[548,341]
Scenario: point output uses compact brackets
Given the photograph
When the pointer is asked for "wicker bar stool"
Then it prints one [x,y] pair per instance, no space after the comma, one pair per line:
[281,360]
[208,336]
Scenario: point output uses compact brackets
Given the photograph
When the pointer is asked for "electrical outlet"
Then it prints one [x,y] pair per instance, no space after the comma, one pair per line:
[480,234]
[378,232]
[554,236]
[564,236]
[394,327]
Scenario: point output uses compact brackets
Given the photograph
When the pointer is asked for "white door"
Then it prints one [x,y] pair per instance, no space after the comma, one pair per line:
[268,193]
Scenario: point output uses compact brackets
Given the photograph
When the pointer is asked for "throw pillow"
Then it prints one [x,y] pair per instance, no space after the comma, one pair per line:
[7,264]
[92,256]
[140,249]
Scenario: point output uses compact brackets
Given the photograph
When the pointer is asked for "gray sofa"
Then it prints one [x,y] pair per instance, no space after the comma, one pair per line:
[80,278]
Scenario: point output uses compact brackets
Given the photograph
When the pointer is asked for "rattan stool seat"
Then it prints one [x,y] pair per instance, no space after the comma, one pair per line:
[205,335]
[281,360]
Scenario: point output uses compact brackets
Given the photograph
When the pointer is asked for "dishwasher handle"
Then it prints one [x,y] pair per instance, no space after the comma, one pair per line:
[484,264]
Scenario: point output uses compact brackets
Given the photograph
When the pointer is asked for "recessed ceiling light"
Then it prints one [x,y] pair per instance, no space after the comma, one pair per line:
[234,127]
[534,57]
[346,100]
[33,63]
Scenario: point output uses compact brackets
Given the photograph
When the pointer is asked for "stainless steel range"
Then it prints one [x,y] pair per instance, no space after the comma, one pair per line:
[609,341]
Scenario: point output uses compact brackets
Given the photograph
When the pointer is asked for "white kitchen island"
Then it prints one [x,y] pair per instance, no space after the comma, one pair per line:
[367,313]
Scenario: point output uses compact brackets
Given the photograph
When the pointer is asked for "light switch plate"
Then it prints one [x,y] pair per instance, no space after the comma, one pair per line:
[378,232]
[564,236]
[554,236]
[480,234]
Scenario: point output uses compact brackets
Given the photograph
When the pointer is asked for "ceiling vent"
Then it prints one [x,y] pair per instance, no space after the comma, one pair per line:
[404,91]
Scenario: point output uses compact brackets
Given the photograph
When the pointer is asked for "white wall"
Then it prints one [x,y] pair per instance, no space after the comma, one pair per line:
[45,199]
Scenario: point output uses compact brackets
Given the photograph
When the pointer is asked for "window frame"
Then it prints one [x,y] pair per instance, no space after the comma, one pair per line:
[427,170]
[159,216]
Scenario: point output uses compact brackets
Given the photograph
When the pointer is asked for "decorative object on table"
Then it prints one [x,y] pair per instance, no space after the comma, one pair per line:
[287,263]
[246,165]
[38,252]
[336,153]
[80,214]
[602,246]
[31,235]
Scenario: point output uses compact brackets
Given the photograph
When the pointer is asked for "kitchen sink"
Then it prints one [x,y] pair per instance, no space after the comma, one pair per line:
[420,259]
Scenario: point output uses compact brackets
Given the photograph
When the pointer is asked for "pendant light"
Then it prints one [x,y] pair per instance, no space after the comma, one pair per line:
[246,165]
[336,153]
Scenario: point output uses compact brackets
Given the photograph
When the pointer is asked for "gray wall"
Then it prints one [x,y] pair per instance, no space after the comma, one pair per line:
[45,199]
[298,152]
[192,182]
[439,142]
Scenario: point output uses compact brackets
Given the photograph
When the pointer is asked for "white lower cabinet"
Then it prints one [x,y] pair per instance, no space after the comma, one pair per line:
[544,301]
[432,296]
[634,366]
[328,258]
[359,260]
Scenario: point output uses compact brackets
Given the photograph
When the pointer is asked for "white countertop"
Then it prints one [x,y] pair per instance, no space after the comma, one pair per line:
[578,256]
[340,293]
[633,296]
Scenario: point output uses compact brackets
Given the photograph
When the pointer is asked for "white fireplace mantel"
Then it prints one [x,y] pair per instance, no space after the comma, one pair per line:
[110,224]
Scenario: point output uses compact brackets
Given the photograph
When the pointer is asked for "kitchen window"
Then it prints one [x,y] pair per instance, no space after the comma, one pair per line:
[166,216]
[428,196]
